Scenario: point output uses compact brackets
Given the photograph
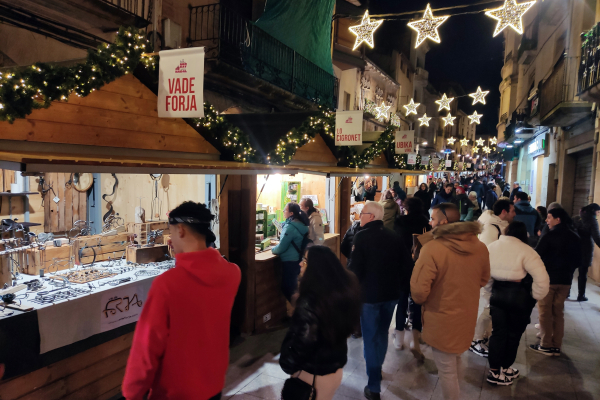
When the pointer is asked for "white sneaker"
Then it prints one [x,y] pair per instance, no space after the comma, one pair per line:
[399,340]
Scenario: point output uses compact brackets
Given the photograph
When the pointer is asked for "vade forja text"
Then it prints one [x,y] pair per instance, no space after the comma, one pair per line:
[182,95]
[120,304]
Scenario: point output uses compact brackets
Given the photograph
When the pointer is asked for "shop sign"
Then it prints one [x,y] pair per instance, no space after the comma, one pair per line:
[448,163]
[181,83]
[348,128]
[412,159]
[425,160]
[435,162]
[313,197]
[405,142]
[537,147]
[461,164]
[121,306]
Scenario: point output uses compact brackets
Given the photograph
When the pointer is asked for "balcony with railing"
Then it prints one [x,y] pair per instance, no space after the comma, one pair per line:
[588,82]
[232,39]
[556,106]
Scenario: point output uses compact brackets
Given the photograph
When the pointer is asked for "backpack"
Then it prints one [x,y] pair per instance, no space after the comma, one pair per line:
[303,246]
[499,231]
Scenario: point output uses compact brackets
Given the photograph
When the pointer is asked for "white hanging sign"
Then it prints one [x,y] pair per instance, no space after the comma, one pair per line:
[448,163]
[181,83]
[425,160]
[348,128]
[405,142]
[412,159]
[436,162]
[468,165]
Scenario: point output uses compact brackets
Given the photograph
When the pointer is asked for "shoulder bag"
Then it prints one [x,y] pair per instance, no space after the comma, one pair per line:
[295,388]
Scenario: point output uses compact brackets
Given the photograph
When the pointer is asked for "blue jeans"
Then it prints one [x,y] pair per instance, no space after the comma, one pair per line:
[289,278]
[375,321]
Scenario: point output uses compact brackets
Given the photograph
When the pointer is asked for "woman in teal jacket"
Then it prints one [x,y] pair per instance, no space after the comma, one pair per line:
[289,247]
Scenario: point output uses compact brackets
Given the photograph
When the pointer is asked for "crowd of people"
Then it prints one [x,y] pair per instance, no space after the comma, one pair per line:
[433,260]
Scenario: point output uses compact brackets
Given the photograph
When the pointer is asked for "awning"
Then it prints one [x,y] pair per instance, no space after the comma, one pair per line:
[342,171]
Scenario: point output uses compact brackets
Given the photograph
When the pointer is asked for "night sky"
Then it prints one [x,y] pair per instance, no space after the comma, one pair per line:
[468,53]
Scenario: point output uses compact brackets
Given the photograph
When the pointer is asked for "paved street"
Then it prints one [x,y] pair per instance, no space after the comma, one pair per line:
[255,372]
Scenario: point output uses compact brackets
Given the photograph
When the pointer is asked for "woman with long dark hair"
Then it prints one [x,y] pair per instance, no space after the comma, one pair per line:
[520,278]
[289,247]
[327,311]
[424,195]
[587,228]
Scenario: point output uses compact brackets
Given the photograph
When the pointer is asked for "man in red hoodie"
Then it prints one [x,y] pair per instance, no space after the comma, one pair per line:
[180,347]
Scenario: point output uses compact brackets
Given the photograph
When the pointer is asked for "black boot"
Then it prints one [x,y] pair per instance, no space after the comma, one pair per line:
[582,297]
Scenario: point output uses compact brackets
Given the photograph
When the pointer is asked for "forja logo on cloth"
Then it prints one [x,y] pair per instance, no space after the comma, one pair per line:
[121,304]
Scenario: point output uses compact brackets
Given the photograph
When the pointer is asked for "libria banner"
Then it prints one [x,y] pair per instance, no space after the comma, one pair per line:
[181,83]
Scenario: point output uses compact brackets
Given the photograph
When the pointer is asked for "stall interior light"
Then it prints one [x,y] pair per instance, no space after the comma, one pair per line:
[424,143]
[509,146]
[518,141]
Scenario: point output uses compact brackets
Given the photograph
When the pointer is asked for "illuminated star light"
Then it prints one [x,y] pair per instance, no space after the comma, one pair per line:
[424,120]
[444,102]
[479,96]
[464,142]
[364,32]
[427,28]
[411,108]
[382,111]
[449,120]
[480,142]
[475,150]
[475,118]
[486,150]
[494,140]
[451,140]
[511,14]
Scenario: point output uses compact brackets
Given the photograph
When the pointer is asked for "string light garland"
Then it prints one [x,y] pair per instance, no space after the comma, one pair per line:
[475,118]
[449,120]
[424,120]
[451,140]
[411,108]
[479,96]
[395,120]
[511,14]
[480,142]
[364,32]
[427,28]
[444,102]
[382,111]
[464,142]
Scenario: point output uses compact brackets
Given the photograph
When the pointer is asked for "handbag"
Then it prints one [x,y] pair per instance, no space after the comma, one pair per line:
[296,389]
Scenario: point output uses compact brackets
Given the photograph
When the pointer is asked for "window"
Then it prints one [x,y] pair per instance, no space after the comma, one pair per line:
[346,101]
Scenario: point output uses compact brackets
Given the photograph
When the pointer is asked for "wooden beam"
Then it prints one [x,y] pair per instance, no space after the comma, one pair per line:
[345,222]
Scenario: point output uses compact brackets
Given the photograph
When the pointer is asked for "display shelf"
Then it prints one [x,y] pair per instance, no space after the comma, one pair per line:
[9,194]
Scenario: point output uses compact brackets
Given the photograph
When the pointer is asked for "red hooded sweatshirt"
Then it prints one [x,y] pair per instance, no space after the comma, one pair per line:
[180,347]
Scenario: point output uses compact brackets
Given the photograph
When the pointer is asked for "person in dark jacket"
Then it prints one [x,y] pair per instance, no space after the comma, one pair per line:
[516,189]
[399,191]
[465,206]
[587,228]
[528,215]
[413,223]
[444,196]
[560,251]
[491,197]
[478,188]
[316,342]
[346,246]
[432,189]
[425,198]
[370,189]
[382,265]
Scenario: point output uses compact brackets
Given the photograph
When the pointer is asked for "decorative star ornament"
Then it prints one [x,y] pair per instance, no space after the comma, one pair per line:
[444,102]
[511,14]
[449,120]
[411,108]
[424,120]
[382,111]
[475,118]
[364,32]
[479,96]
[475,150]
[480,142]
[486,150]
[464,142]
[451,140]
[427,28]
[494,140]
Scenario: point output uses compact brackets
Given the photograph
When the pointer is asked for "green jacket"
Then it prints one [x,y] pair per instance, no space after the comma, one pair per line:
[291,231]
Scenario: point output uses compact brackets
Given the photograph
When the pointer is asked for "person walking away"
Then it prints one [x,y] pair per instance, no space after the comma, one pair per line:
[476,209]
[465,206]
[425,198]
[432,189]
[444,196]
[446,281]
[370,189]
[587,228]
[290,249]
[516,189]
[316,231]
[163,361]
[560,251]
[315,347]
[491,197]
[399,191]
[407,226]
[391,209]
[493,227]
[382,265]
[346,245]
[480,190]
[520,278]
[529,215]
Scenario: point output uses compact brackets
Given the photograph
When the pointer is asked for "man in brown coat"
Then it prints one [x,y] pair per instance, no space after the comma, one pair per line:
[446,280]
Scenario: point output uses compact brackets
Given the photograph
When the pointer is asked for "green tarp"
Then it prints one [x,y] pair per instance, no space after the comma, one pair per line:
[303,25]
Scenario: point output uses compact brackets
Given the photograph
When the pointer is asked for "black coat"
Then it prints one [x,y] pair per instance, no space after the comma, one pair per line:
[304,349]
[425,198]
[346,246]
[463,203]
[381,263]
[407,225]
[561,253]
[490,199]
[479,189]
[587,228]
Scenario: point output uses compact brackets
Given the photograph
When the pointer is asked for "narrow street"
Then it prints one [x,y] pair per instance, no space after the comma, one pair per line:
[255,372]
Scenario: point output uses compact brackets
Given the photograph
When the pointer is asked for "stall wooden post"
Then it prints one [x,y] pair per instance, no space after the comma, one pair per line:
[344,222]
[238,228]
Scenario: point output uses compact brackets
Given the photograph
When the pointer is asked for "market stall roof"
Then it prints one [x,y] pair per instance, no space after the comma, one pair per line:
[41,162]
[343,171]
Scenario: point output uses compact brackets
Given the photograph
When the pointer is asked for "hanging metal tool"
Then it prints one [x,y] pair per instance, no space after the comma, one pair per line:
[156,205]
[111,210]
